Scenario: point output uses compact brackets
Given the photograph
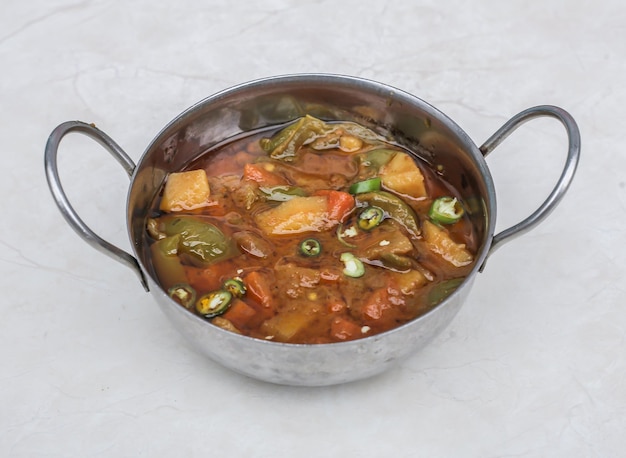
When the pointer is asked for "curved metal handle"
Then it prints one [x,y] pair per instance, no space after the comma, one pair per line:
[70,215]
[573,155]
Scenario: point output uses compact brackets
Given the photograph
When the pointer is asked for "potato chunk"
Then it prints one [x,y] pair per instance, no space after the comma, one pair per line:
[440,242]
[185,191]
[300,214]
[284,326]
[408,283]
[402,175]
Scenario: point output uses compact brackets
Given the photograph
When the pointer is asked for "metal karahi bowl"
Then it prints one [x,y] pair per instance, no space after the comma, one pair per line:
[272,102]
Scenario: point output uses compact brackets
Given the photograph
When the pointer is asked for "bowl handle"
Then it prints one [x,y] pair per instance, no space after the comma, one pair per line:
[573,155]
[54,183]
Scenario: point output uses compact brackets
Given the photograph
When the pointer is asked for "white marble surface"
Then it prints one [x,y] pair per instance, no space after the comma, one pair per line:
[534,365]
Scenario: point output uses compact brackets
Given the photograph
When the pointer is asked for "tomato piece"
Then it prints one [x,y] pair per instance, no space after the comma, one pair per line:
[259,288]
[340,204]
[208,278]
[260,174]
[240,314]
[344,329]
[375,305]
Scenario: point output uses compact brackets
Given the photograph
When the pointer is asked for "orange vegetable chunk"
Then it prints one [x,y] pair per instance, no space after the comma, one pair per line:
[340,204]
[259,288]
[240,313]
[342,328]
[260,174]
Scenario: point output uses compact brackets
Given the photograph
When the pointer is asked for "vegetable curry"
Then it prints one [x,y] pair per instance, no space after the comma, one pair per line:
[316,233]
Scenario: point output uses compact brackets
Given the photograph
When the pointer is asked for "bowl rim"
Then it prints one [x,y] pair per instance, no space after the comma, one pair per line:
[284,81]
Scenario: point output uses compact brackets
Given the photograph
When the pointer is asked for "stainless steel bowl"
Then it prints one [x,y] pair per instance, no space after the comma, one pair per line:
[277,100]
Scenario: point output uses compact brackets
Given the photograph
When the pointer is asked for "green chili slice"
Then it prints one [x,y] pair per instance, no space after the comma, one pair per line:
[214,303]
[446,210]
[183,293]
[370,218]
[235,286]
[353,267]
[310,247]
[373,184]
[343,233]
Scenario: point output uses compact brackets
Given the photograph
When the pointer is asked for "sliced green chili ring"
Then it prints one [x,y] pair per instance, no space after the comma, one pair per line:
[235,286]
[353,266]
[446,210]
[370,218]
[343,233]
[214,303]
[442,290]
[184,294]
[310,247]
[373,184]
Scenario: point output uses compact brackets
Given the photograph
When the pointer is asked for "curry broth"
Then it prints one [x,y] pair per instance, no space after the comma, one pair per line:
[295,298]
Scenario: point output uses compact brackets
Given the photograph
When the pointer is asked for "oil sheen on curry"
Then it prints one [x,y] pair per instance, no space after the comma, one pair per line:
[314,233]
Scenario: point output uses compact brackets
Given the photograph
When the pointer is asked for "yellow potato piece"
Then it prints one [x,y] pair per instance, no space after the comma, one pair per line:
[409,282]
[349,143]
[440,242]
[284,326]
[185,191]
[402,175]
[300,214]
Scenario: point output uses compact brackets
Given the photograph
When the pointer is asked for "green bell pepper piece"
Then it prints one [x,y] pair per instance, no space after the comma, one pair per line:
[281,193]
[396,261]
[285,144]
[167,265]
[202,240]
[442,290]
[372,184]
[376,158]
